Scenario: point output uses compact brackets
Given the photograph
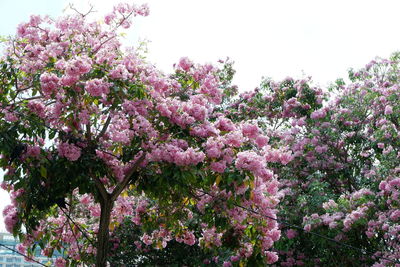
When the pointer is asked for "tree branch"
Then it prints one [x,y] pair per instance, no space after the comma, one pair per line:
[103,131]
[122,185]
[101,188]
[27,99]
[71,6]
[88,132]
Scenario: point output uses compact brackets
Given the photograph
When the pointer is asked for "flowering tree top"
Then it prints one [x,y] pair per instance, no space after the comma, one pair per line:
[81,115]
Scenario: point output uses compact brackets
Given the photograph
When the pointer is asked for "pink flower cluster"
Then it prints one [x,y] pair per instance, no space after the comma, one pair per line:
[210,237]
[123,11]
[49,83]
[278,155]
[10,215]
[38,108]
[97,87]
[160,236]
[318,114]
[60,262]
[185,64]
[69,151]
[75,67]
[251,161]
[188,238]
[174,154]
[250,130]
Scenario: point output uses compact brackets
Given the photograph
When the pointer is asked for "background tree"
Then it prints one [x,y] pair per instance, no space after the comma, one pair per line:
[343,179]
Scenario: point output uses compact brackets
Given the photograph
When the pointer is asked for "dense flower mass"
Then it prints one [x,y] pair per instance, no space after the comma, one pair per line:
[112,161]
[340,176]
[94,131]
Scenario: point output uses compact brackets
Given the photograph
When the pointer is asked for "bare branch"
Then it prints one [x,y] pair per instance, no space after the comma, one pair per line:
[113,30]
[83,15]
[27,99]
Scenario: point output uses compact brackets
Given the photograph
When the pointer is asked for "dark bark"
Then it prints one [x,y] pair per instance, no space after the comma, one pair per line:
[106,205]
[103,235]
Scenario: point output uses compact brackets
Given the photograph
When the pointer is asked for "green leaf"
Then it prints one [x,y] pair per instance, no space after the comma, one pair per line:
[43,172]
[52,134]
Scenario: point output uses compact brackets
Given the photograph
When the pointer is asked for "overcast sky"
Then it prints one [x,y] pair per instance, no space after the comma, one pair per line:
[271,38]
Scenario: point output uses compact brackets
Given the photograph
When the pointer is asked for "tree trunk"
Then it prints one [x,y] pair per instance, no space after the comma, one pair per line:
[103,235]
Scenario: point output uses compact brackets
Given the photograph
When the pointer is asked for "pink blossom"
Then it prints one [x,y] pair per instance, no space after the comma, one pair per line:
[250,130]
[69,151]
[69,80]
[189,238]
[261,141]
[10,217]
[78,66]
[146,239]
[272,257]
[211,237]
[235,258]
[329,205]
[9,116]
[119,72]
[318,114]
[286,157]
[49,83]
[38,108]
[108,18]
[97,87]
[234,139]
[60,262]
[388,110]
[219,166]
[247,250]
[33,151]
[21,248]
[249,160]
[290,233]
[225,124]
[185,63]
[395,215]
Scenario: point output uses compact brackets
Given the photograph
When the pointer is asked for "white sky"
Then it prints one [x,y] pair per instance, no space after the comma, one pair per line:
[269,38]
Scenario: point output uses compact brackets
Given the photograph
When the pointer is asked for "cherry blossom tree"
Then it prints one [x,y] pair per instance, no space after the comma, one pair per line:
[93,136]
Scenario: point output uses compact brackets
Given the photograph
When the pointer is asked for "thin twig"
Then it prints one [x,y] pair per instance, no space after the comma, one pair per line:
[83,15]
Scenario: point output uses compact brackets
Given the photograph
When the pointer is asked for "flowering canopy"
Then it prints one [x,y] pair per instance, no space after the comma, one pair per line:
[93,132]
[105,153]
[343,179]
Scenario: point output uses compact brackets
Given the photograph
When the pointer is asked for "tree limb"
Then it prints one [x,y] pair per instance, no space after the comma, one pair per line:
[101,188]
[103,131]
[122,185]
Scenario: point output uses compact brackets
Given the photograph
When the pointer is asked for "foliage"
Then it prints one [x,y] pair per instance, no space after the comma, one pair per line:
[109,159]
[343,179]
[92,135]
